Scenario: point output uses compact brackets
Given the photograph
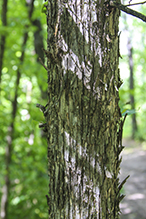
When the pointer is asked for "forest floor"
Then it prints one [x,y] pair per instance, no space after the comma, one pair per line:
[133,163]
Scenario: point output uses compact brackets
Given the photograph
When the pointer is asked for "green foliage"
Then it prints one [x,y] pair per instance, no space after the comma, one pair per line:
[44,7]
[136,31]
[28,169]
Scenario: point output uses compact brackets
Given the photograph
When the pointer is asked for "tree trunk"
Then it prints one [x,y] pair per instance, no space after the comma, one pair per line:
[131,85]
[83,120]
[3,37]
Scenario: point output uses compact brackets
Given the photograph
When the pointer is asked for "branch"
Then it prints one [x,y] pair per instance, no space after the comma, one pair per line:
[138,3]
[128,10]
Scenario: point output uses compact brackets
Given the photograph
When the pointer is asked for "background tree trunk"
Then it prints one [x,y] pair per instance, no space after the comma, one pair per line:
[83,119]
[131,86]
[3,37]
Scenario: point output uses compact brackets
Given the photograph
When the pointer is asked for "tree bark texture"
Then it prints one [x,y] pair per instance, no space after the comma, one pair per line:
[83,120]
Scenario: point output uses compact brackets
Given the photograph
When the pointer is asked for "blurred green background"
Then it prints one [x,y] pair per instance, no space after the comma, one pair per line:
[23,84]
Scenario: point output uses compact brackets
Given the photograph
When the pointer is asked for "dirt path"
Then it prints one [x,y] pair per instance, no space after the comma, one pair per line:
[134,164]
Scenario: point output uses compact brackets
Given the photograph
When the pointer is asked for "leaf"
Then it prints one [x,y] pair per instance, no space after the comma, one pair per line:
[128,112]
[36,114]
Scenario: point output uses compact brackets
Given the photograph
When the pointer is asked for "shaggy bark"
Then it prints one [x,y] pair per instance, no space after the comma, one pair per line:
[83,119]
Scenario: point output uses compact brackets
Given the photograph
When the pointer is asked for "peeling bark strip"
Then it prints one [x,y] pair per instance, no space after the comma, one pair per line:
[83,120]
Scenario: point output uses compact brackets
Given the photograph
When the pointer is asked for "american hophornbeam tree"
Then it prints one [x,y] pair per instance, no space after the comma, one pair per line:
[83,119]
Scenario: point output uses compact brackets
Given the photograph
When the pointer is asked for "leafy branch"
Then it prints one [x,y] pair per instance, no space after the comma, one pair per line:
[128,10]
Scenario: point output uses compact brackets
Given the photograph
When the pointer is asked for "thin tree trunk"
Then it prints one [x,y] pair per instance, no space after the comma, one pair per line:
[131,85]
[83,120]
[3,37]
[39,46]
